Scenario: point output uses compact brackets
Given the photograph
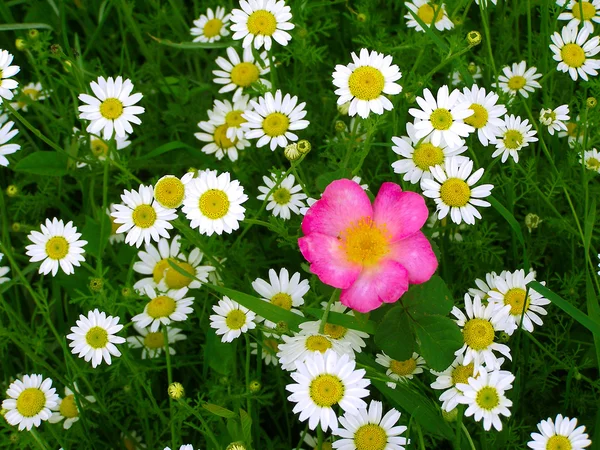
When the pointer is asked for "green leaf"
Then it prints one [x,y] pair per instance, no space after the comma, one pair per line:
[394,334]
[194,45]
[429,31]
[217,354]
[589,225]
[24,26]
[325,179]
[219,410]
[439,337]
[344,320]
[508,217]
[432,297]
[246,426]
[43,163]
[164,149]
[91,232]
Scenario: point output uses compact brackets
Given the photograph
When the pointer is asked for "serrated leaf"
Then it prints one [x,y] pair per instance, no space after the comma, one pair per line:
[394,334]
[43,163]
[439,337]
[432,297]
[219,410]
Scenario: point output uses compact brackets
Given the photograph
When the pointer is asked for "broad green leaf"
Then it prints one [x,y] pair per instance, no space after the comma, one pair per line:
[246,422]
[164,149]
[326,178]
[24,26]
[394,334]
[429,32]
[432,297]
[508,217]
[439,337]
[194,45]
[217,354]
[91,232]
[344,320]
[43,163]
[219,410]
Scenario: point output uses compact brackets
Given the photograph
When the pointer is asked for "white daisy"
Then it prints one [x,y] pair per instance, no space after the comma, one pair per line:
[485,397]
[284,198]
[299,347]
[29,401]
[169,191]
[485,286]
[511,289]
[442,118]
[164,308]
[112,108]
[270,347]
[226,113]
[7,71]
[94,337]
[400,370]
[210,27]
[475,71]
[419,155]
[218,142]
[479,327]
[6,134]
[584,11]
[426,11]
[32,92]
[231,319]
[153,343]
[458,372]
[574,52]
[514,134]
[519,79]
[560,433]
[453,192]
[141,217]
[213,203]
[183,447]
[591,159]
[67,408]
[486,113]
[57,245]
[238,74]
[574,133]
[324,381]
[273,119]
[365,80]
[3,271]
[555,119]
[260,22]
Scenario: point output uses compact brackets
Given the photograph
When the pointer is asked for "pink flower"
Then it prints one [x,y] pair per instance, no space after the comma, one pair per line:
[371,252]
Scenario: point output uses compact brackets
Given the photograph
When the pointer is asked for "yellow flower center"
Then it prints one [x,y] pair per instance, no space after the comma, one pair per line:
[588,10]
[573,130]
[235,319]
[154,340]
[214,204]
[572,55]
[96,337]
[318,344]
[177,280]
[262,22]
[335,331]
[427,155]
[593,163]
[488,398]
[559,442]
[455,192]
[30,402]
[98,148]
[57,247]
[403,368]
[365,243]
[161,306]
[366,83]
[282,196]
[441,119]
[221,139]
[129,444]
[370,437]
[479,118]
[234,119]
[144,216]
[244,74]
[282,300]
[113,225]
[513,139]
[272,345]
[111,108]
[32,93]
[212,28]
[516,82]
[326,390]
[478,334]
[68,407]
[169,192]
[515,297]
[461,374]
[426,13]
[275,124]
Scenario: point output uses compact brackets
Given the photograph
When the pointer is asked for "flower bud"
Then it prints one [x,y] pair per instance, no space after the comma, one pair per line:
[474,38]
[282,327]
[96,284]
[450,416]
[176,390]
[20,44]
[255,386]
[33,33]
[126,292]
[291,152]
[591,102]
[236,446]
[16,227]
[340,126]
[532,221]
[12,190]
[361,17]
[343,108]
[304,146]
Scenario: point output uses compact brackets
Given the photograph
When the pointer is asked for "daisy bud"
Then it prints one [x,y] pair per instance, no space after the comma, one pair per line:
[176,391]
[304,146]
[344,108]
[340,126]
[16,227]
[33,33]
[361,17]
[96,284]
[291,152]
[236,446]
[301,32]
[127,388]
[503,337]
[12,190]
[472,68]
[474,38]
[532,221]
[410,97]
[576,374]
[126,292]
[55,49]
[20,44]
[591,102]
[282,327]
[14,437]
[255,386]
[450,416]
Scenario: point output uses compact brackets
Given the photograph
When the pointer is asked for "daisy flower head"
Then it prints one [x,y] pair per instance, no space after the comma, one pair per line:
[526,305]
[591,159]
[273,118]
[6,134]
[555,119]
[112,108]
[94,338]
[284,198]
[153,343]
[419,155]
[270,347]
[67,409]
[114,237]
[237,74]
[32,92]
[585,11]
[479,329]
[231,319]
[514,134]
[6,72]
[485,286]
[485,397]
[457,373]
[213,203]
[259,22]
[443,118]
[29,401]
[365,80]
[227,113]
[164,308]
[3,272]
[486,113]
[574,133]
[169,191]
[368,429]
[212,26]
[324,381]
[301,346]
[574,51]
[400,370]
[428,11]
[219,143]
[142,217]
[454,193]
[560,433]
[518,79]
[58,245]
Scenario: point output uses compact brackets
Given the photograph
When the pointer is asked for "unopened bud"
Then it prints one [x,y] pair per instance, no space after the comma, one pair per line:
[33,33]
[96,284]
[16,227]
[503,337]
[474,38]
[176,390]
[20,44]
[236,446]
[532,221]
[343,108]
[126,292]
[361,17]
[591,102]
[304,146]
[282,327]
[255,386]
[291,152]
[12,190]
[472,68]
[450,416]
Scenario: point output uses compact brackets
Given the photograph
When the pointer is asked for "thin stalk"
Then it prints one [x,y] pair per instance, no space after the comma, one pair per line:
[39,439]
[334,294]
[170,380]
[468,436]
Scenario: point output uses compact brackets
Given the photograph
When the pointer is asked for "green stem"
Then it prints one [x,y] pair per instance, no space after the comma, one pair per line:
[247,375]
[468,436]
[334,294]
[170,380]
[39,439]
[488,39]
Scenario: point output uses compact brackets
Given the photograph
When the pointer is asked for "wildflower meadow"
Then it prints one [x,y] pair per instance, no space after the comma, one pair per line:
[299,224]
